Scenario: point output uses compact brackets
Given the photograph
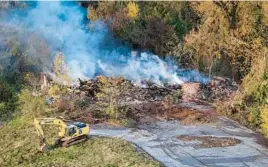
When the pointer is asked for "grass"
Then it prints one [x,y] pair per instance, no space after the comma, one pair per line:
[19,146]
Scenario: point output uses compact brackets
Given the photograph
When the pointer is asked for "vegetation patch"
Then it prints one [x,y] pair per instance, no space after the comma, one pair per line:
[19,143]
[8,99]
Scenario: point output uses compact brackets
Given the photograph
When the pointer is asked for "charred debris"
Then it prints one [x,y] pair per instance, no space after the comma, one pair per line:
[189,102]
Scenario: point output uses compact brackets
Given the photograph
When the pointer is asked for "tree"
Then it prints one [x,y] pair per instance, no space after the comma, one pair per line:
[141,24]
[230,10]
[230,30]
[61,69]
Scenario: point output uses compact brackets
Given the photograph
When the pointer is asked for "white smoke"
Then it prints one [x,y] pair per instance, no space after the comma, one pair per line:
[91,52]
[146,67]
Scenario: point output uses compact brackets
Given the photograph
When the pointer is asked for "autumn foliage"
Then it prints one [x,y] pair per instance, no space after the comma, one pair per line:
[223,38]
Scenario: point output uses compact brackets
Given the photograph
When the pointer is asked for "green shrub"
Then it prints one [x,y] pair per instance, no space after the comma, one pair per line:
[57,91]
[176,96]
[35,107]
[250,102]
[264,118]
[8,100]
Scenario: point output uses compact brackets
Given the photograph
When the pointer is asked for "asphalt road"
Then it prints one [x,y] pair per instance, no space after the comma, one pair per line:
[159,140]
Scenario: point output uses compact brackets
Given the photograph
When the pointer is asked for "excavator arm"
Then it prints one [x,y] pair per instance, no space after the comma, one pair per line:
[49,121]
[39,130]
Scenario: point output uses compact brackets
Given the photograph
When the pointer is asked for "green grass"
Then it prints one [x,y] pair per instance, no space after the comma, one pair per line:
[19,145]
[19,148]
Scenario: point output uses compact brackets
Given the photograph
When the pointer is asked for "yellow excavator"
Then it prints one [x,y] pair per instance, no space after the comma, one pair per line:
[69,132]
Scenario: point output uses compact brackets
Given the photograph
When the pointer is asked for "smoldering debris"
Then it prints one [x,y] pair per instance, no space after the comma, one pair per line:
[218,89]
[148,92]
[148,102]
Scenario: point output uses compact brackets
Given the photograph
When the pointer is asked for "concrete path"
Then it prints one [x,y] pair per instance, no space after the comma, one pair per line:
[159,140]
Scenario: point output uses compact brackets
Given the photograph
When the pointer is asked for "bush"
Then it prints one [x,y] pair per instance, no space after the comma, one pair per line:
[8,100]
[264,118]
[249,106]
[56,90]
[35,107]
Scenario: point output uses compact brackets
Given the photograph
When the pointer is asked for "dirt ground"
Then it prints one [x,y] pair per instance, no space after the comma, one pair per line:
[186,113]
[210,141]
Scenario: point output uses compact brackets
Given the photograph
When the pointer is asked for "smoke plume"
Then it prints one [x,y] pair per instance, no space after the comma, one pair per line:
[93,51]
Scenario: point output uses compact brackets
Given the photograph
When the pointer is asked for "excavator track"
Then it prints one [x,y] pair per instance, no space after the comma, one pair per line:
[75,140]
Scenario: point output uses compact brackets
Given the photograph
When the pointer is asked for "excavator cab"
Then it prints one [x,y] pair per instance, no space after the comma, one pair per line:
[69,132]
[72,130]
[76,128]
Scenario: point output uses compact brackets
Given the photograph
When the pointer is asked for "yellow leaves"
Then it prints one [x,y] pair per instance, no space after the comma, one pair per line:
[254,79]
[203,8]
[61,70]
[105,10]
[108,96]
[58,63]
[257,43]
[30,105]
[234,28]
[264,118]
[133,10]
[265,13]
[54,91]
[247,18]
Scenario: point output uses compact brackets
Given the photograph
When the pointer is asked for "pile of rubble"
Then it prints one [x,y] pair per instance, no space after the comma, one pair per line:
[152,92]
[147,92]
[219,88]
[152,101]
